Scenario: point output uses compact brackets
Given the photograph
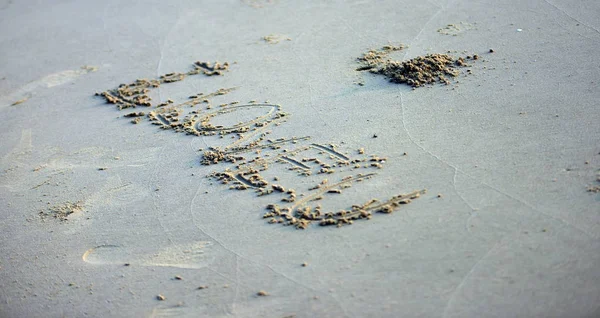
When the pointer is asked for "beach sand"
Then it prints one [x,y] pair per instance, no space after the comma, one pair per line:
[215,199]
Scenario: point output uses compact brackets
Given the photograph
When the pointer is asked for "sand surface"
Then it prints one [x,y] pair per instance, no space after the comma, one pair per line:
[105,218]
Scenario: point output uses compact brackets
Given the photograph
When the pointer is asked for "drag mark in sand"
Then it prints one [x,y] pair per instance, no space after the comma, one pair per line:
[296,162]
[331,151]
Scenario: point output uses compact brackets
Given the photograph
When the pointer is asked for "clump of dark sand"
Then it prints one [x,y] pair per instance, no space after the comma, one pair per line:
[416,72]
[62,211]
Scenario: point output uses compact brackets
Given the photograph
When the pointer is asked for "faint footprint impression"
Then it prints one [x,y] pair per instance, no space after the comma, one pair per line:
[24,93]
[193,256]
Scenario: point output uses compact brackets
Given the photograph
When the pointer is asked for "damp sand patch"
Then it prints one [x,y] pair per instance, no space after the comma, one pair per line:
[455,29]
[275,38]
[596,187]
[419,71]
[62,211]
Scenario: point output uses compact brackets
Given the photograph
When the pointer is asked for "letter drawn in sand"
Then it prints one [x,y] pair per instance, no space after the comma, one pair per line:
[252,152]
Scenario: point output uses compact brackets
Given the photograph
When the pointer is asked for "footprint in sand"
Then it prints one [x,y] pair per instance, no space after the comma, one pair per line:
[193,256]
[24,93]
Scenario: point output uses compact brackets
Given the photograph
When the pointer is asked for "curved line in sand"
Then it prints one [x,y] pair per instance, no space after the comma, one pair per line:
[230,109]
